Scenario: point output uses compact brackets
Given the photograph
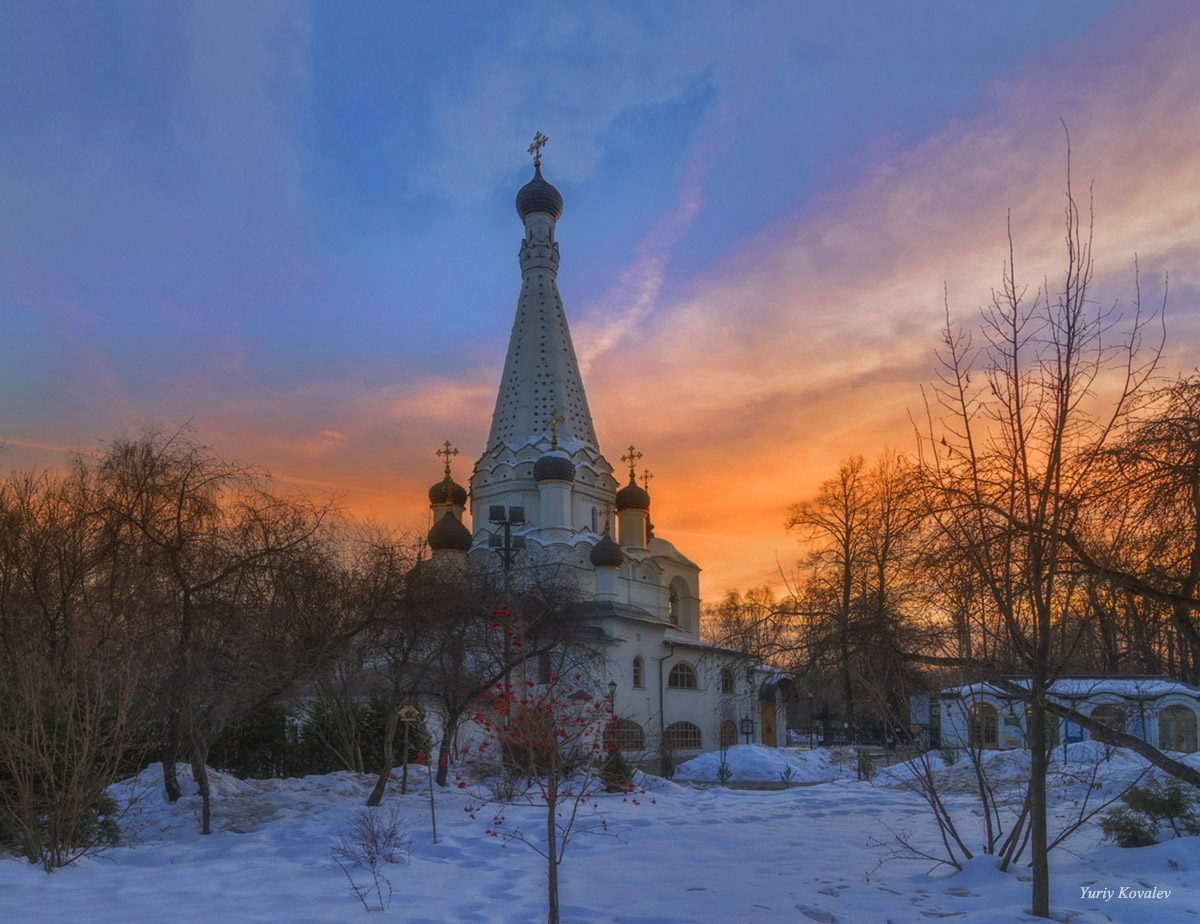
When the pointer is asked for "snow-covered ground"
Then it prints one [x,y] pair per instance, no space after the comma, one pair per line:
[757,763]
[678,856]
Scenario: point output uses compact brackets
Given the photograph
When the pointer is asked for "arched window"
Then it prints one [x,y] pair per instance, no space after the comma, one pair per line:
[728,734]
[1110,714]
[982,726]
[638,680]
[681,736]
[726,680]
[682,677]
[1177,729]
[677,596]
[626,735]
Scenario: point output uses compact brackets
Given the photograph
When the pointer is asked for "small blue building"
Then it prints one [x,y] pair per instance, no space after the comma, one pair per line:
[1160,711]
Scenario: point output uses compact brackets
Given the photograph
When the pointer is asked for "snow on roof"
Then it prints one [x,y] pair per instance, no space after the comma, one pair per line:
[537,443]
[661,548]
[674,639]
[1080,687]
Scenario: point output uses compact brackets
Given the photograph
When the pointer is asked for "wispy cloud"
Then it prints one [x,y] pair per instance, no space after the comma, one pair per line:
[744,386]
[811,344]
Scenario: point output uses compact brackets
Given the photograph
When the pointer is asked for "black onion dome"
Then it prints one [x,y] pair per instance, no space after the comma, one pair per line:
[555,465]
[437,494]
[633,497]
[607,554]
[449,533]
[538,196]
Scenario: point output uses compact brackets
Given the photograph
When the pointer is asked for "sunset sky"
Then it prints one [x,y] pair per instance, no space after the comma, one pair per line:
[293,224]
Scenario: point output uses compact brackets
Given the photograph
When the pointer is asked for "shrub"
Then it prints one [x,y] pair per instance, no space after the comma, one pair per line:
[258,746]
[866,767]
[65,737]
[266,742]
[616,775]
[1150,812]
[376,839]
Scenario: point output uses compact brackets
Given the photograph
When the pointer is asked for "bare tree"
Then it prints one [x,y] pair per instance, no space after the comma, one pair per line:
[834,524]
[473,650]
[1009,453]
[72,717]
[246,598]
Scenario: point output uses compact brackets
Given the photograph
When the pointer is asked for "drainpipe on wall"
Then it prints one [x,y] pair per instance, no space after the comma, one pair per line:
[662,708]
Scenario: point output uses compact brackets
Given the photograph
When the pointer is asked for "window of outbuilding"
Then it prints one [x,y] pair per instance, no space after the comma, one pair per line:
[1177,729]
[682,677]
[1110,714]
[982,726]
[638,677]
[726,680]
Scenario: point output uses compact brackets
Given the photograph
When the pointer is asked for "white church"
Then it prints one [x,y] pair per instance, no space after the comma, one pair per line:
[643,595]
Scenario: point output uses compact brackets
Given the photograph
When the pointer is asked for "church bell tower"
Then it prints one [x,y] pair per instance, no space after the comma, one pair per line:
[542,451]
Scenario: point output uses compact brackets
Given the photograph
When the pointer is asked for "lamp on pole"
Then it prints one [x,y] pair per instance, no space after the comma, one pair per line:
[506,545]
[810,721]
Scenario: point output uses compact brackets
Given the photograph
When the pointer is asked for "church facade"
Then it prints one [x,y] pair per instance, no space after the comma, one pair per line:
[673,691]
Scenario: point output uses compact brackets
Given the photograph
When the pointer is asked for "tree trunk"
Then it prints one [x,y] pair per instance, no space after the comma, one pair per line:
[200,772]
[404,763]
[170,754]
[448,729]
[385,771]
[1037,794]
[552,852]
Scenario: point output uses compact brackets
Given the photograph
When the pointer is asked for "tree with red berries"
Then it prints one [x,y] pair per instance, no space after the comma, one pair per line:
[486,635]
[543,729]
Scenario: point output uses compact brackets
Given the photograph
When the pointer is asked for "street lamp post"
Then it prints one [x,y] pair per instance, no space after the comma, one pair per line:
[506,545]
[810,721]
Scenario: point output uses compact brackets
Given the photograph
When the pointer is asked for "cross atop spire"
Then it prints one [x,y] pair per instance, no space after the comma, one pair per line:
[632,457]
[539,142]
[446,453]
[646,476]
[552,422]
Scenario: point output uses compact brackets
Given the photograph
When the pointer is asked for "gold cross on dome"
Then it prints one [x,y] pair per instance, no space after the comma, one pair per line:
[539,142]
[646,476]
[632,457]
[552,422]
[608,512]
[446,453]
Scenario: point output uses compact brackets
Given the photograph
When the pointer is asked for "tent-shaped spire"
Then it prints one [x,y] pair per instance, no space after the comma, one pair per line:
[541,374]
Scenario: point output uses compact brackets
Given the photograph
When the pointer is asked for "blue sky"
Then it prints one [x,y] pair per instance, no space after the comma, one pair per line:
[290,220]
